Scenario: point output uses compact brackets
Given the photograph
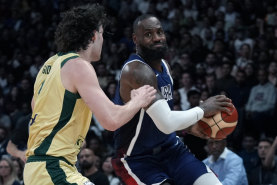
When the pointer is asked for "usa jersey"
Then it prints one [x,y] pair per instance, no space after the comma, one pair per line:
[140,135]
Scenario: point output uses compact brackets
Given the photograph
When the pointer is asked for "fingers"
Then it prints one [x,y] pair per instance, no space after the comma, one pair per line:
[228,111]
[146,94]
[152,91]
[226,107]
[203,135]
[226,104]
[148,89]
[145,87]
[222,98]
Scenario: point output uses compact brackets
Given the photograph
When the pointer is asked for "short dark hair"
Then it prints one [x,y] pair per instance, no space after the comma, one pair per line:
[266,139]
[193,92]
[140,18]
[77,27]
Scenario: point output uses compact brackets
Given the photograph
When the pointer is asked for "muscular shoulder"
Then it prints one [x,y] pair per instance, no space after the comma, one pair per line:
[137,74]
[76,71]
[77,63]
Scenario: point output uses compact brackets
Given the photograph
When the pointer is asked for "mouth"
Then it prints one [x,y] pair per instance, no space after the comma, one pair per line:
[158,45]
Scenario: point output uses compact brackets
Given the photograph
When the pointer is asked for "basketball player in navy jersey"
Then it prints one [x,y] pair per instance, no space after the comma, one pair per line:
[147,149]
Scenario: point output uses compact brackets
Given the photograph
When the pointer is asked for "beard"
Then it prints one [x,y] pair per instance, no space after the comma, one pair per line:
[85,165]
[151,53]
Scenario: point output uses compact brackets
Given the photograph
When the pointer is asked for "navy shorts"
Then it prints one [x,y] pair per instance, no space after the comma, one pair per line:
[175,164]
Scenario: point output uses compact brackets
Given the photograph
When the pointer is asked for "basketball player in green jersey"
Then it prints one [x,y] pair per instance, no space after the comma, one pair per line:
[66,93]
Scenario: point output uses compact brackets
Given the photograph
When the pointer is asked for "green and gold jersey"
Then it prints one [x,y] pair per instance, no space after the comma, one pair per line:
[60,119]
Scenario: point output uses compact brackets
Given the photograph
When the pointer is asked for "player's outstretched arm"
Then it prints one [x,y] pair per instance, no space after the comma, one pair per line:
[79,76]
[137,74]
[14,151]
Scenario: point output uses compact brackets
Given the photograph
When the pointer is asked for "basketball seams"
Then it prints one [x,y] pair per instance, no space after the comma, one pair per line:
[220,125]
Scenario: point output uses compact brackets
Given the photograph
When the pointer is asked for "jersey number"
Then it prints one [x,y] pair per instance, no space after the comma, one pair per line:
[32,121]
[41,86]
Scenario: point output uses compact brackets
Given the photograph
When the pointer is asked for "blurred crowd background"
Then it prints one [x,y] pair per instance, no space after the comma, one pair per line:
[214,47]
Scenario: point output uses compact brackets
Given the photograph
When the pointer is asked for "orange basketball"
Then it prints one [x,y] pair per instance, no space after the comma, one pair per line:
[220,125]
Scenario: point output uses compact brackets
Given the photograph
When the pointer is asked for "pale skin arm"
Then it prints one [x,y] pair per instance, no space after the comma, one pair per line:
[14,151]
[79,76]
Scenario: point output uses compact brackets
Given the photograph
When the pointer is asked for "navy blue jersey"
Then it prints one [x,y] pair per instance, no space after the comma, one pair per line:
[140,135]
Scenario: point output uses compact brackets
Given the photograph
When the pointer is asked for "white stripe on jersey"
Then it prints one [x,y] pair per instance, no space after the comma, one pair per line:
[167,71]
[130,171]
[134,139]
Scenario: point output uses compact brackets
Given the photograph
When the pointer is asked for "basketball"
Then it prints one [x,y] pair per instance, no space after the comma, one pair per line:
[220,125]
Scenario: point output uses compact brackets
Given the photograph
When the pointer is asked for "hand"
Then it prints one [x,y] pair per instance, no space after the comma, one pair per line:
[196,130]
[22,156]
[144,95]
[216,104]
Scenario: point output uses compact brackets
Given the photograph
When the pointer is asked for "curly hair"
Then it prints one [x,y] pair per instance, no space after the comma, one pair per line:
[77,27]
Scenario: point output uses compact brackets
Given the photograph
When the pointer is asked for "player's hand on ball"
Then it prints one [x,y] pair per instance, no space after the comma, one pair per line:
[144,95]
[216,104]
[197,131]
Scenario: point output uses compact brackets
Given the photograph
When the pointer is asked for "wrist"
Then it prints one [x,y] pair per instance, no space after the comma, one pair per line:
[199,111]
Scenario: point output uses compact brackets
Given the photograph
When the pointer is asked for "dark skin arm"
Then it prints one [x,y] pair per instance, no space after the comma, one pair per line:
[137,74]
[134,75]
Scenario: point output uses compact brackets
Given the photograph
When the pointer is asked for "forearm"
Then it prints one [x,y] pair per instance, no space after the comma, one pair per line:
[125,113]
[169,121]
[14,151]
[112,116]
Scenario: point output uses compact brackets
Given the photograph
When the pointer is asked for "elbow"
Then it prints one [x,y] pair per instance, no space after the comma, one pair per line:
[110,125]
[9,150]
[163,126]
[165,130]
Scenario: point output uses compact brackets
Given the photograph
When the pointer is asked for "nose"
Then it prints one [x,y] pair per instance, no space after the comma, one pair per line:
[157,37]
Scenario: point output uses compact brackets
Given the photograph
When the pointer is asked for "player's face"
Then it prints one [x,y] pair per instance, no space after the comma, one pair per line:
[150,39]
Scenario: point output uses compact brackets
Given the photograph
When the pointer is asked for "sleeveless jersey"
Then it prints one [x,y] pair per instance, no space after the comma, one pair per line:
[140,135]
[60,119]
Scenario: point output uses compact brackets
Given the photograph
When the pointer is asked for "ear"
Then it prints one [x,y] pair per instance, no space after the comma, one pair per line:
[93,37]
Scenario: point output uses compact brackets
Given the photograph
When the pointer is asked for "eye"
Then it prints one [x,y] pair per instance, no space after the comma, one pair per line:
[160,32]
[148,35]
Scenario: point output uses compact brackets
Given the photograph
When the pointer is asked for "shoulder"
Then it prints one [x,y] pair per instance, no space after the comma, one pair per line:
[78,67]
[135,66]
[78,62]
[137,73]
[233,157]
[206,161]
